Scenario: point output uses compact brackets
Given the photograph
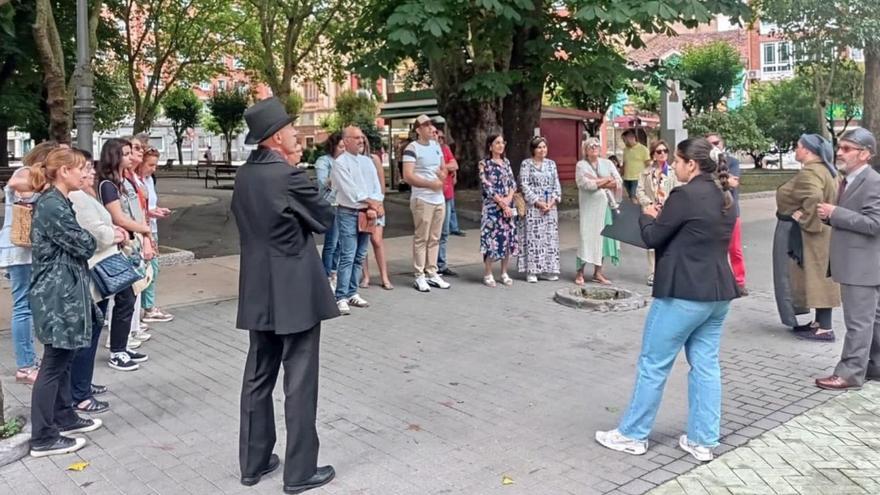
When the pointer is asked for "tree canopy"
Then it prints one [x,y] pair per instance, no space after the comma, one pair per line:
[227,115]
[183,108]
[713,69]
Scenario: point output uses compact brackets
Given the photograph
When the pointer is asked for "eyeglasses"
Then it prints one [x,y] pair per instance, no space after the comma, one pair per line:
[847,148]
[659,151]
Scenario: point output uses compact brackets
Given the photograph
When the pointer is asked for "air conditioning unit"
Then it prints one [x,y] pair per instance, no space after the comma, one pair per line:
[754,74]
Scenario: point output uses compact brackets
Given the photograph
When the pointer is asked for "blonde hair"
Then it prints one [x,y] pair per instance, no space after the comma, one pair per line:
[590,141]
[38,153]
[46,172]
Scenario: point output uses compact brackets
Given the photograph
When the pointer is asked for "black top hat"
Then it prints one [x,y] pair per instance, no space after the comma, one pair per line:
[265,118]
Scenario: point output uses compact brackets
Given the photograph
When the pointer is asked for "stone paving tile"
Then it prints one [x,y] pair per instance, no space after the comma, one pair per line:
[492,383]
[830,449]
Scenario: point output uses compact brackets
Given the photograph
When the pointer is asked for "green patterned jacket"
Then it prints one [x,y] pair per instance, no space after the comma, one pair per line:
[61,303]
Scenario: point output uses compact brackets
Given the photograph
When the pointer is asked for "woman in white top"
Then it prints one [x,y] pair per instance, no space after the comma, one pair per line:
[95,219]
[599,186]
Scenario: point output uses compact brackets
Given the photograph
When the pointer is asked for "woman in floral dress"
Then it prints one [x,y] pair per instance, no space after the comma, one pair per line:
[498,224]
[539,230]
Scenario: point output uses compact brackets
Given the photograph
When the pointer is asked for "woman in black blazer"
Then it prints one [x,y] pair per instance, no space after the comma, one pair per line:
[693,286]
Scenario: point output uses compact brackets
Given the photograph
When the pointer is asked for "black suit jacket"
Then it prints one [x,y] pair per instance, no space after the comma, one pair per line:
[282,286]
[691,236]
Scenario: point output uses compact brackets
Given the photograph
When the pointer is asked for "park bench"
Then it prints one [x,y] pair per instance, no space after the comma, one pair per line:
[220,171]
[168,164]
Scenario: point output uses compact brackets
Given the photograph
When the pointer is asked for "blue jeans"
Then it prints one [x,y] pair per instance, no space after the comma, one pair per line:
[671,324]
[453,217]
[444,236]
[329,252]
[22,325]
[352,249]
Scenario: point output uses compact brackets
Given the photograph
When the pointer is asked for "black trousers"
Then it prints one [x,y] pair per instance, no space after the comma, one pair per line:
[83,367]
[120,323]
[298,353]
[50,399]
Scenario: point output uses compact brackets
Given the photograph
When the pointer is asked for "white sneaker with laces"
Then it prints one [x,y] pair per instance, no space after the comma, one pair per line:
[140,335]
[421,284]
[531,278]
[700,453]
[343,307]
[614,440]
[437,281]
[133,343]
[358,301]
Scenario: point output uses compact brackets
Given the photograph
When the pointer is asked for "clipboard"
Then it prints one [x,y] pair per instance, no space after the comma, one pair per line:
[624,226]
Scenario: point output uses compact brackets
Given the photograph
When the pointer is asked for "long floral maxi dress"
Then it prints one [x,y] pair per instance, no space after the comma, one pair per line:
[497,234]
[539,232]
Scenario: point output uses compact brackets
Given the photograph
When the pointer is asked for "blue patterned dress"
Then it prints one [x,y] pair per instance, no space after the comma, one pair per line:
[497,234]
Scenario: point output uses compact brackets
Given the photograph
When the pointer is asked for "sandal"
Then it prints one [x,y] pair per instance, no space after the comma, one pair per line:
[387,286]
[365,284]
[579,280]
[603,281]
[99,389]
[93,406]
[506,280]
[489,281]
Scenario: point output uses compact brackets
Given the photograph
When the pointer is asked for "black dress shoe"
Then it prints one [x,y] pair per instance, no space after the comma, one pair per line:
[322,476]
[447,272]
[273,464]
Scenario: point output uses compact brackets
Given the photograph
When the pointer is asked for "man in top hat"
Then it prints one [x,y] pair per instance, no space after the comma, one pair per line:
[855,260]
[283,297]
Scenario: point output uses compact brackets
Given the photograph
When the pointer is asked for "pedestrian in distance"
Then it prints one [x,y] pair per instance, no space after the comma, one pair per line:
[855,260]
[655,184]
[284,296]
[333,147]
[693,287]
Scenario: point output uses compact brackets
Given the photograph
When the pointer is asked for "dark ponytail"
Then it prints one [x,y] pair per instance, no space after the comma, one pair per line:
[711,161]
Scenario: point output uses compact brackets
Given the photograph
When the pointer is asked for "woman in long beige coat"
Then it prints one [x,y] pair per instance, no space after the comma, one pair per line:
[808,246]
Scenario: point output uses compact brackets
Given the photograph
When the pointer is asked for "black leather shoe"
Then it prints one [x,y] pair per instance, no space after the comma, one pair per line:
[322,476]
[273,464]
[447,272]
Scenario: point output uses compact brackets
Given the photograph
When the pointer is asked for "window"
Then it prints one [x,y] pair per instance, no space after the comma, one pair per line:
[776,57]
[222,84]
[857,54]
[158,143]
[310,141]
[205,85]
[766,28]
[237,64]
[310,92]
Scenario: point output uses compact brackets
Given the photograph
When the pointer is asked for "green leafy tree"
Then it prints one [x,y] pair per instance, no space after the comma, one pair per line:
[20,76]
[821,33]
[168,41]
[646,98]
[715,69]
[356,108]
[491,61]
[183,108]
[226,116]
[739,128]
[784,110]
[843,99]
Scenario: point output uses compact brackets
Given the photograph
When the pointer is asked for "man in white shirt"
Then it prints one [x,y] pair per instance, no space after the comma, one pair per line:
[357,190]
[424,169]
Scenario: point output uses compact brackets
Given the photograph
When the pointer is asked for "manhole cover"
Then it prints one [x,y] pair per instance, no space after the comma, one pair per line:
[601,299]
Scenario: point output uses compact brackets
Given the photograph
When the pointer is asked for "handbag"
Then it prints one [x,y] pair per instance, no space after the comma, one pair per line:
[114,274]
[519,202]
[365,224]
[20,233]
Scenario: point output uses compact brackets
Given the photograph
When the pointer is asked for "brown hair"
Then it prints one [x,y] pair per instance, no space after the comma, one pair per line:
[38,153]
[656,144]
[46,172]
[535,142]
[711,162]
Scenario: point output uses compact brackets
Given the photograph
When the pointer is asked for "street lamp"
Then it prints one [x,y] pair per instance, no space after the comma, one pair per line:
[84,107]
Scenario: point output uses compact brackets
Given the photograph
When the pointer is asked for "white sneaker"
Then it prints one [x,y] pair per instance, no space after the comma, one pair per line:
[133,343]
[421,284]
[358,301]
[615,441]
[700,453]
[342,305]
[437,281]
[551,277]
[140,335]
[532,279]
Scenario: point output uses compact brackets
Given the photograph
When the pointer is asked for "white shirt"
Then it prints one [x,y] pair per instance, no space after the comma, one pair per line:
[849,178]
[427,159]
[152,201]
[355,180]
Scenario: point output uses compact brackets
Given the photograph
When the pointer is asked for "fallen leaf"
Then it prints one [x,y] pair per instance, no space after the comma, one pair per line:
[506,480]
[414,427]
[612,409]
[78,466]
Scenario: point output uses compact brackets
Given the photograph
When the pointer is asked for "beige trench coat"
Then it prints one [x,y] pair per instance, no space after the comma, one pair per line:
[811,287]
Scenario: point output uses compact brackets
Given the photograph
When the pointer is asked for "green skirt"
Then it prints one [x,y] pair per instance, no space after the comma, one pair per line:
[610,247]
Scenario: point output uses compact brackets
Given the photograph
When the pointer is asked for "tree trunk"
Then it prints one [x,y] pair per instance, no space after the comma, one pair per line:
[4,146]
[871,115]
[2,406]
[229,147]
[51,57]
[179,142]
[521,116]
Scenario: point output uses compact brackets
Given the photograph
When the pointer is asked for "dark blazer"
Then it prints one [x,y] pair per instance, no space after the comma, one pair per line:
[691,236]
[282,286]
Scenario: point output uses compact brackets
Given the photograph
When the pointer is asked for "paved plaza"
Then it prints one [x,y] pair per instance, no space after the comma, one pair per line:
[477,391]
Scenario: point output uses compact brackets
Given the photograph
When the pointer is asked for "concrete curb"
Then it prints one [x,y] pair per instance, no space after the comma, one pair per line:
[174,256]
[17,446]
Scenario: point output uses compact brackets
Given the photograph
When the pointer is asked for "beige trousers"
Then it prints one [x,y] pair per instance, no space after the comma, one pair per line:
[428,221]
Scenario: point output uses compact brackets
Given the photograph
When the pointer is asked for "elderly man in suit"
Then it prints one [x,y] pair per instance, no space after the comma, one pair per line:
[283,297]
[855,260]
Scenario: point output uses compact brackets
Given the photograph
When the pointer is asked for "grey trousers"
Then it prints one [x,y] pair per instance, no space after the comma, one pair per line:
[298,354]
[861,349]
